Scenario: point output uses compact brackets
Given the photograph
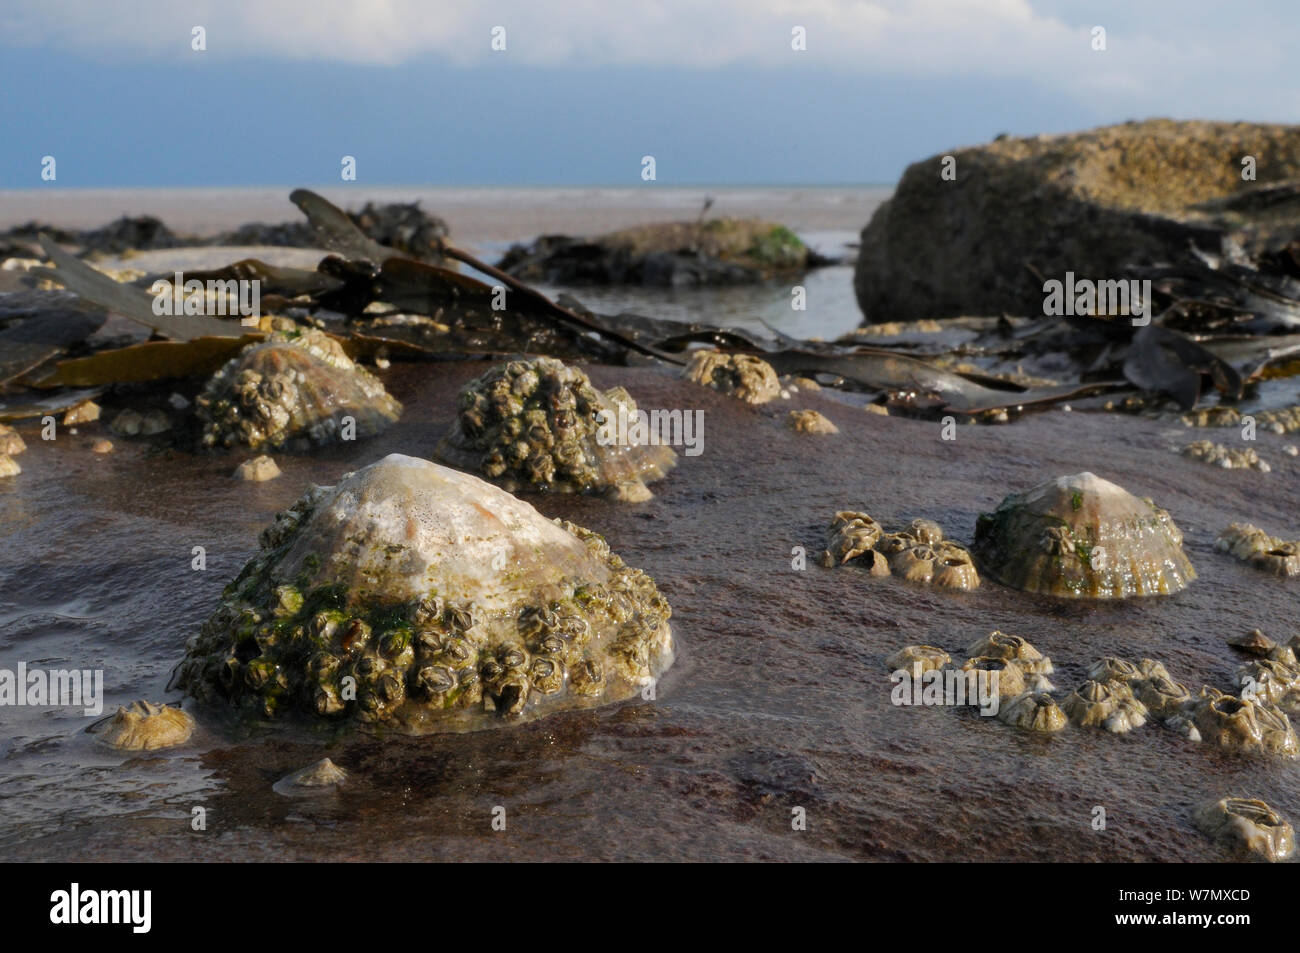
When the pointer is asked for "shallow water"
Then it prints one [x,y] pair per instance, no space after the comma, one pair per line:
[779,699]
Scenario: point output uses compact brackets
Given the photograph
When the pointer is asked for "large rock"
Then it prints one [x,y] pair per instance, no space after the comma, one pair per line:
[1091,202]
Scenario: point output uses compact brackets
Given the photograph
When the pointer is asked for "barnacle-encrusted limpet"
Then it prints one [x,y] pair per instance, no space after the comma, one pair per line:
[540,424]
[927,656]
[144,726]
[741,375]
[998,644]
[423,597]
[292,391]
[1082,537]
[1247,824]
[1034,711]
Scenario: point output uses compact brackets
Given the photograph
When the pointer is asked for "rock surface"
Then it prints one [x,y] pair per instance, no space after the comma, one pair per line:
[1091,202]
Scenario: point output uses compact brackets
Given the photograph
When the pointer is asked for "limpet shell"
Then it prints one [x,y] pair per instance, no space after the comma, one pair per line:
[319,778]
[145,726]
[292,391]
[421,597]
[1082,537]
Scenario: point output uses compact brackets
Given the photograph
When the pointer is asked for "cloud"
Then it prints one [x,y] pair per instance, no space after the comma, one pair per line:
[1171,56]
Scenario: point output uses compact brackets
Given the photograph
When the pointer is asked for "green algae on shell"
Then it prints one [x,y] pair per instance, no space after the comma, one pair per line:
[539,424]
[1082,537]
[418,596]
[293,391]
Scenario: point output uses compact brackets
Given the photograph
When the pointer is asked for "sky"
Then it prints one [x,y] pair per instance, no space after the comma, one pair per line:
[714,90]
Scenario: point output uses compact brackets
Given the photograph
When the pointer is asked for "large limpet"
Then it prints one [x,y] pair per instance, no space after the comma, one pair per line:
[540,424]
[1247,824]
[421,596]
[144,726]
[1082,537]
[292,391]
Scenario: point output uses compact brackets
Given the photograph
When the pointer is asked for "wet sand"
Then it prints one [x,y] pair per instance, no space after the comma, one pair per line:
[779,699]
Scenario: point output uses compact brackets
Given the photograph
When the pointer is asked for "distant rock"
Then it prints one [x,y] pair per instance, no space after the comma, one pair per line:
[1092,203]
[720,251]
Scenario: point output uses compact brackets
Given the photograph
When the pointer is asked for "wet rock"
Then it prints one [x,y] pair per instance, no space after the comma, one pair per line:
[127,423]
[155,422]
[720,251]
[424,598]
[741,375]
[145,726]
[1092,203]
[1082,537]
[1247,825]
[539,424]
[257,470]
[319,778]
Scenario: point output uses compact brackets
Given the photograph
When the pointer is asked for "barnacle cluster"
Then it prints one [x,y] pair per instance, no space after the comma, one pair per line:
[540,424]
[292,391]
[423,597]
[744,376]
[810,421]
[1229,458]
[919,553]
[1268,553]
[1082,537]
[1248,825]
